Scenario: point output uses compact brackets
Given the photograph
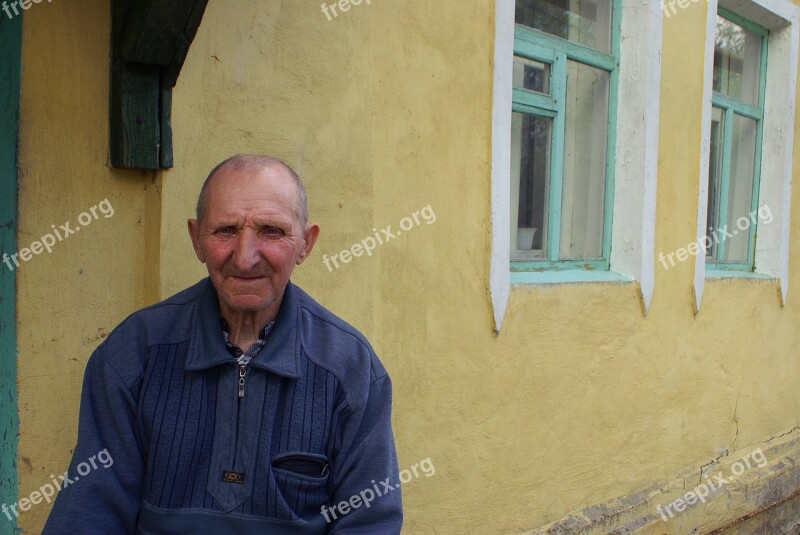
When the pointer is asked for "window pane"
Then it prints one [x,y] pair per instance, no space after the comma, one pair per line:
[531,75]
[587,22]
[584,162]
[737,60]
[714,179]
[530,175]
[740,191]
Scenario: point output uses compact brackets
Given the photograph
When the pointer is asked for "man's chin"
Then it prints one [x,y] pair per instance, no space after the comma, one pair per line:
[248,303]
[246,299]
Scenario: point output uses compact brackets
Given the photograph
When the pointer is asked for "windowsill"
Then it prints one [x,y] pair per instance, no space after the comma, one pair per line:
[571,276]
[731,274]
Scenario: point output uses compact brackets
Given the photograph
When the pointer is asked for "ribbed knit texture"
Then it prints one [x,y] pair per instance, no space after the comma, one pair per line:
[177,421]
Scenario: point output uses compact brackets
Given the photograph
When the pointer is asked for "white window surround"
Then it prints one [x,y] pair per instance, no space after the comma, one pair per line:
[781,18]
[636,158]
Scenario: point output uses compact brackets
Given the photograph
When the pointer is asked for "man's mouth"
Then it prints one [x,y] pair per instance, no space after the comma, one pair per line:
[248,278]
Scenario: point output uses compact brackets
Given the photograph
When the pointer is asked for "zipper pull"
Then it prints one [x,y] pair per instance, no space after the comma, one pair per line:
[324,469]
[242,373]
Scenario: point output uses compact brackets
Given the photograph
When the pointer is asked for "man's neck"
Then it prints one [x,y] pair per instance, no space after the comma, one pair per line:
[246,327]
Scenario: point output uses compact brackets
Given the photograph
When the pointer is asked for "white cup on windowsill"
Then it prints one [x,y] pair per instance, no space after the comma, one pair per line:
[525,238]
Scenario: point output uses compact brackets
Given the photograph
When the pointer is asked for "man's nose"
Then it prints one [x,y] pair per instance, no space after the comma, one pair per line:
[246,255]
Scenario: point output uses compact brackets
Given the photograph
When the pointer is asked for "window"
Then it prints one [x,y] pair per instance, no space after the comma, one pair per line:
[565,77]
[737,116]
[749,100]
[543,102]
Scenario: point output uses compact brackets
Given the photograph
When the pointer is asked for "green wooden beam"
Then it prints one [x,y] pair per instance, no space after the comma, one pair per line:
[558,83]
[149,43]
[574,51]
[536,102]
[10,69]
[724,182]
[611,140]
[159,32]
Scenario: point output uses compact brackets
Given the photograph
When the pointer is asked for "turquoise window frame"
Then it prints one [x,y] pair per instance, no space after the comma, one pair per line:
[539,46]
[731,107]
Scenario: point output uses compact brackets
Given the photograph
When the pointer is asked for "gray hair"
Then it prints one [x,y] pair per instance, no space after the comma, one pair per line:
[255,162]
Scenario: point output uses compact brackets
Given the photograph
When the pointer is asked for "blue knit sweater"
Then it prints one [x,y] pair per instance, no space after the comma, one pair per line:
[193,452]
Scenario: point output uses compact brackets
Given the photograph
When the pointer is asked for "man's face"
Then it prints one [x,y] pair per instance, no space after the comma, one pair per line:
[251,236]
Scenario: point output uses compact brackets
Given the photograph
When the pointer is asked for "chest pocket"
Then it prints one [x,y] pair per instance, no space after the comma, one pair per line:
[303,464]
[302,479]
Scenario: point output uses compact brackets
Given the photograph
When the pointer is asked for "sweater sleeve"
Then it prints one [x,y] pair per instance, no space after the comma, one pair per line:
[366,491]
[101,491]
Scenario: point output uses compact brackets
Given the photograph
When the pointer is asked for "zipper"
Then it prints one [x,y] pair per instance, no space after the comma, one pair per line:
[310,460]
[242,374]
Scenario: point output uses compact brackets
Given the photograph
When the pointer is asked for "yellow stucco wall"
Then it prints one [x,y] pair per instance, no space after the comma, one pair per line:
[383,111]
[70,299]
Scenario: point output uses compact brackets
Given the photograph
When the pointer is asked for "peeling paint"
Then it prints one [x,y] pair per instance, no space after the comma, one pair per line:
[763,500]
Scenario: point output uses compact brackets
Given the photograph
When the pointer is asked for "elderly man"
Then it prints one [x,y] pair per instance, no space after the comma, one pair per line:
[239,405]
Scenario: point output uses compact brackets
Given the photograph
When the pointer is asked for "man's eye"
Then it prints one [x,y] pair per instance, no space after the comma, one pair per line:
[272,231]
[226,231]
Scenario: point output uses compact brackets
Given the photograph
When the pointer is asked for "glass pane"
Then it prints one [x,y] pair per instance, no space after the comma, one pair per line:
[587,22]
[714,177]
[531,75]
[530,175]
[740,190]
[584,162]
[737,61]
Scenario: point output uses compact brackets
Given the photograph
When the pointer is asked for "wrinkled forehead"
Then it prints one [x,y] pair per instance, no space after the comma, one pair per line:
[268,188]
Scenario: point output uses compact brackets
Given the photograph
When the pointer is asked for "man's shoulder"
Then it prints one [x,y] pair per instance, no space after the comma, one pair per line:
[335,345]
[165,322]
[184,297]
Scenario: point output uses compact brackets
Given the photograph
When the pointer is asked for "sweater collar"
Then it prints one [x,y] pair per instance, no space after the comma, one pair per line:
[207,347]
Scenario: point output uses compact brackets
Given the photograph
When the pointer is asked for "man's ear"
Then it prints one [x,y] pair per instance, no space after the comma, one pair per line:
[194,228]
[310,238]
